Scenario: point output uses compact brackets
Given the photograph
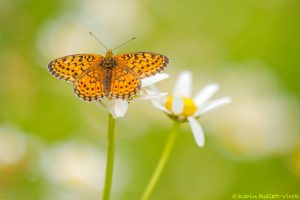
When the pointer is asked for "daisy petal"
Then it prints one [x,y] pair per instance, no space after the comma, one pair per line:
[183,86]
[177,105]
[153,79]
[197,131]
[150,96]
[152,89]
[213,105]
[120,107]
[159,106]
[205,94]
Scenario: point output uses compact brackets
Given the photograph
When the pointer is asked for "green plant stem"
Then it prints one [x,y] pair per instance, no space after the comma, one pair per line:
[163,160]
[110,154]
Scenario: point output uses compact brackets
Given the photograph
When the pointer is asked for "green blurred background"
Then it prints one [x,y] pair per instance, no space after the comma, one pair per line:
[52,145]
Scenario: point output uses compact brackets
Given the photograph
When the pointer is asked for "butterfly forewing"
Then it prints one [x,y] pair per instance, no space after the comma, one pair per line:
[143,64]
[69,68]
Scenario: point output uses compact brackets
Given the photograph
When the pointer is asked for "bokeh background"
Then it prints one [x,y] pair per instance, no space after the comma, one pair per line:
[52,145]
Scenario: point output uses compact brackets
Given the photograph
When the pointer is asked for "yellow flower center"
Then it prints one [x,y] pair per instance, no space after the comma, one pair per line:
[189,107]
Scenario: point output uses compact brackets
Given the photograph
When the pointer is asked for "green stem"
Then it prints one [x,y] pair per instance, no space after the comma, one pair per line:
[110,154]
[162,162]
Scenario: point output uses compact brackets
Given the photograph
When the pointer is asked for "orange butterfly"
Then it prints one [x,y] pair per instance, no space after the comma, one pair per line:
[95,76]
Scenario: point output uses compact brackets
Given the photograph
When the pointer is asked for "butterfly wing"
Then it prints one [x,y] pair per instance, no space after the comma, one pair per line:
[143,64]
[90,85]
[124,84]
[69,68]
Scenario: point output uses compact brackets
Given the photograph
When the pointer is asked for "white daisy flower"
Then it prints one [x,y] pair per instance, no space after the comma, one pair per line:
[182,107]
[119,107]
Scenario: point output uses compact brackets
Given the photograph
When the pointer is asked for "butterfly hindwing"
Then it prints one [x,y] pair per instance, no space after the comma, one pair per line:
[124,84]
[90,85]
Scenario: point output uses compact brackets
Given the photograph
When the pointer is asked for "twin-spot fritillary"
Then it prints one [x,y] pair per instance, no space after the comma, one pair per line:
[95,76]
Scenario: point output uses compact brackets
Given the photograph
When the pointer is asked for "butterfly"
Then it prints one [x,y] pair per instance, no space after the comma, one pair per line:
[114,76]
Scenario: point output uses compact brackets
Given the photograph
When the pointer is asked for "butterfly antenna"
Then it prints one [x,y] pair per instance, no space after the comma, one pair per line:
[123,43]
[98,40]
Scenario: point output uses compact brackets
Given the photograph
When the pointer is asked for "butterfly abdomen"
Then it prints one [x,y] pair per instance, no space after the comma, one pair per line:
[107,79]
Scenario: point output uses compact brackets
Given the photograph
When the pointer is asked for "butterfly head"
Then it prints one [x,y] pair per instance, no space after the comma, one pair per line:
[109,54]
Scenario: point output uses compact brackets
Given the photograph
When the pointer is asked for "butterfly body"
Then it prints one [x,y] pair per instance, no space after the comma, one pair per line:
[95,76]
